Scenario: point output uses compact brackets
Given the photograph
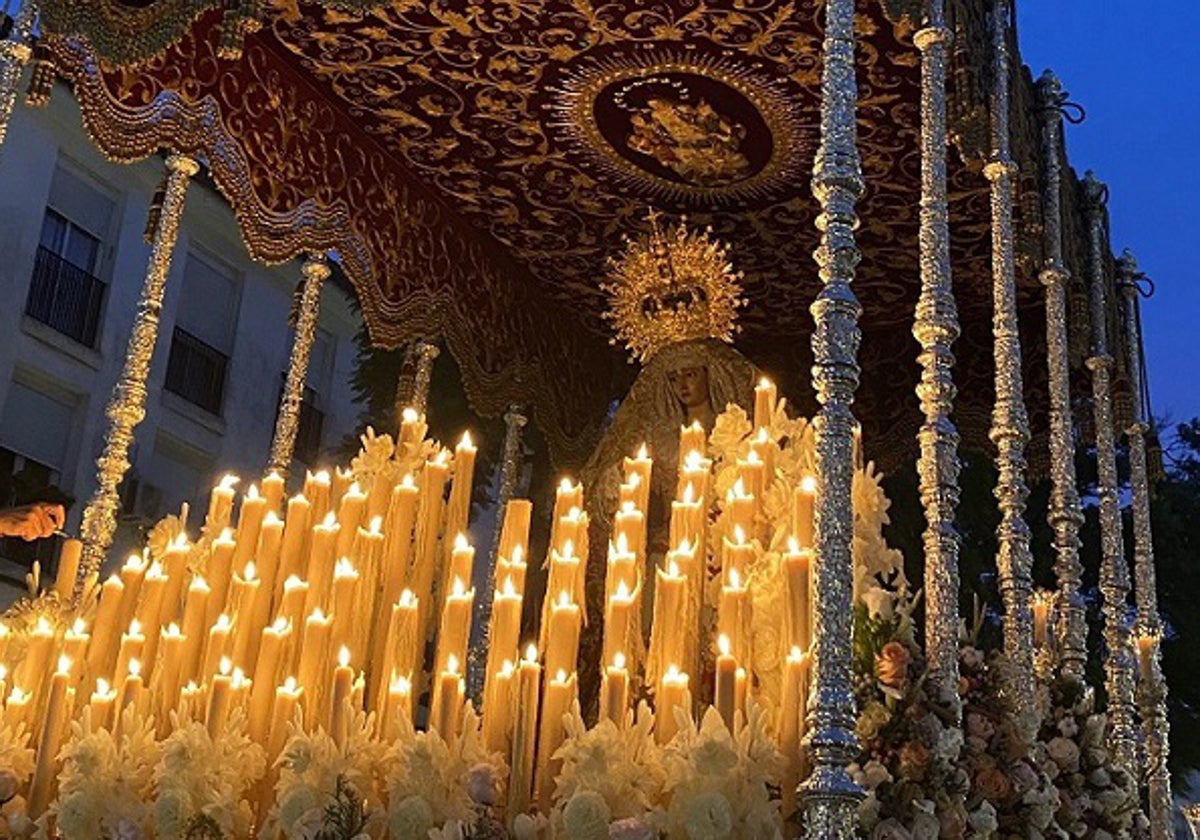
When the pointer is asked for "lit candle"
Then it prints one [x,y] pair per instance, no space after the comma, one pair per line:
[220,505]
[429,517]
[614,694]
[752,472]
[219,699]
[132,690]
[524,738]
[273,487]
[666,636]
[764,402]
[797,599]
[315,645]
[733,616]
[568,495]
[672,695]
[195,612]
[295,535]
[75,643]
[403,645]
[342,602]
[68,569]
[219,573]
[516,568]
[804,499]
[447,702]
[1147,653]
[321,563]
[412,427]
[765,449]
[132,573]
[15,708]
[350,514]
[725,694]
[266,672]
[291,604]
[630,523]
[736,554]
[244,609]
[191,699]
[397,539]
[515,532]
[565,620]
[175,562]
[286,698]
[239,690]
[622,567]
[617,621]
[691,439]
[165,681]
[266,561]
[133,646]
[685,517]
[342,479]
[317,489]
[101,704]
[343,678]
[637,473]
[503,638]
[740,685]
[217,648]
[791,725]
[565,575]
[462,560]
[697,471]
[497,707]
[560,695]
[249,526]
[740,506]
[398,709]
[54,720]
[459,506]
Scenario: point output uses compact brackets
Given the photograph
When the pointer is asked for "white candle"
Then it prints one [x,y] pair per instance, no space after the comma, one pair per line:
[614,695]
[725,695]
[54,720]
[343,678]
[672,695]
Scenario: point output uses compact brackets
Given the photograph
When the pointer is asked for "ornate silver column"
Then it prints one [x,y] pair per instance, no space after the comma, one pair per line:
[936,328]
[127,405]
[1010,423]
[510,472]
[830,796]
[15,53]
[1152,692]
[1114,573]
[426,352]
[315,271]
[1065,514]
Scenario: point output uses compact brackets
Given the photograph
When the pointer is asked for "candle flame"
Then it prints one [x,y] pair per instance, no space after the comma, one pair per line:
[531,653]
[694,460]
[565,486]
[764,383]
[135,628]
[321,477]
[518,556]
[179,543]
[643,453]
[64,665]
[622,543]
[752,459]
[299,497]
[272,518]
[561,676]
[4,631]
[739,489]
[173,630]
[133,562]
[407,482]
[78,627]
[685,546]
[250,572]
[465,441]
[376,526]
[407,599]
[135,667]
[735,580]
[619,660]
[458,588]
[199,584]
[239,679]
[280,625]
[226,537]
[354,489]
[293,582]
[252,492]
[17,696]
[507,668]
[672,672]
[318,615]
[672,569]
[622,591]
[44,628]
[290,685]
[228,481]
[740,673]
[461,543]
[689,493]
[452,664]
[509,589]
[808,484]
[330,521]
[344,657]
[762,435]
[723,644]
[409,415]
[400,685]
[568,551]
[102,686]
[739,536]
[345,569]
[564,600]
[793,545]
[442,457]
[156,571]
[224,622]
[226,666]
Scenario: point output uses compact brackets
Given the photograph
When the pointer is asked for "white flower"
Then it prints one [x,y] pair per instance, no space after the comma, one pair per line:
[482,783]
[586,816]
[983,819]
[709,817]
[631,828]
[294,806]
[8,784]
[411,817]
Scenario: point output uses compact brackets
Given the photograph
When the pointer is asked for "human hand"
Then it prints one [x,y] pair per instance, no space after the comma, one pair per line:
[32,522]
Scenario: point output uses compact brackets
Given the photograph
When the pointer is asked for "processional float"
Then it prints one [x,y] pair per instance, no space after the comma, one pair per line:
[306,668]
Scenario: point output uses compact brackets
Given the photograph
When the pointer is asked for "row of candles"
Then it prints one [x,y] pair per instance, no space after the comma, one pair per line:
[324,603]
[1144,641]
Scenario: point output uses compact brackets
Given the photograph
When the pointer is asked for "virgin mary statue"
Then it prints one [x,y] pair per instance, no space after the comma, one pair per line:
[673,300]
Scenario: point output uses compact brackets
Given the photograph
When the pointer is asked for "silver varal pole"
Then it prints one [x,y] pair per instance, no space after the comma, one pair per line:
[426,351]
[283,445]
[127,405]
[936,328]
[830,797]
[1010,423]
[510,472]
[1114,573]
[1066,515]
[15,53]
[1152,689]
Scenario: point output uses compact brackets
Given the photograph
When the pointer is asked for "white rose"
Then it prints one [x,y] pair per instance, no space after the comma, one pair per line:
[709,817]
[481,784]
[983,819]
[1064,753]
[586,816]
[170,815]
[525,827]
[411,817]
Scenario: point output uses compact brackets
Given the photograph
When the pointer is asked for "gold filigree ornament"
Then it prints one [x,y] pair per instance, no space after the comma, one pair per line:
[672,285]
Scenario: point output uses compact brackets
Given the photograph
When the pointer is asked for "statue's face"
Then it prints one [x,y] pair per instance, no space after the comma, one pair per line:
[690,385]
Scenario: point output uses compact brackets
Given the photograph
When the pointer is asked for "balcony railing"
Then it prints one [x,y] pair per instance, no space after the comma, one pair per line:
[196,371]
[65,297]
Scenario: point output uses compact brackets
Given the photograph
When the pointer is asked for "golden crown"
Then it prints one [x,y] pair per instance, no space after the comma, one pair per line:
[672,285]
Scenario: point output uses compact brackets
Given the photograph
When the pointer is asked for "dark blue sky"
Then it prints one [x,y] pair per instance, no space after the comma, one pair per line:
[1133,65]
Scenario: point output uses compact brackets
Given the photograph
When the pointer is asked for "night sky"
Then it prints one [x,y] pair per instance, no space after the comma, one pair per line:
[1132,64]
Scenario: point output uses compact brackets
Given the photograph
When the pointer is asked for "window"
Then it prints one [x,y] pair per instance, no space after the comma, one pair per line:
[203,337]
[65,292]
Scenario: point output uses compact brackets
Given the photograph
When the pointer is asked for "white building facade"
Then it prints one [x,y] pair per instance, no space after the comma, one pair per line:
[72,263]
